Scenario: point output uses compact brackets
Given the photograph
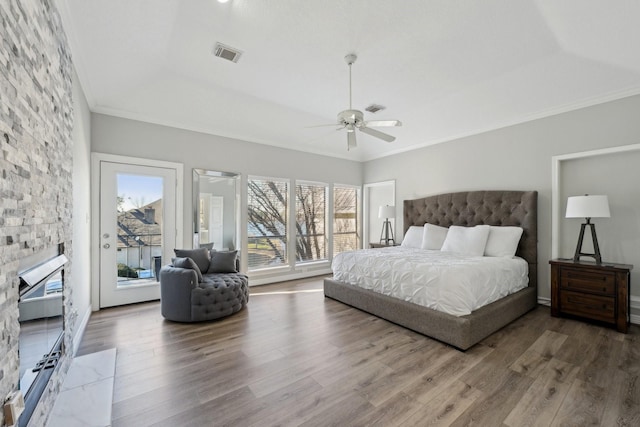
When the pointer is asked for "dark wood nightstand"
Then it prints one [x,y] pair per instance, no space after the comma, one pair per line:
[381,245]
[591,291]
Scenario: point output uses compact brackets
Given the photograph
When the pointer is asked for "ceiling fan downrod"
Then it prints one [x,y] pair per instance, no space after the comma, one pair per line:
[350,59]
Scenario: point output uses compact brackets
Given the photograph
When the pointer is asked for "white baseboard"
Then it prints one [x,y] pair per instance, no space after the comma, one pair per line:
[294,275]
[635,306]
[84,321]
[544,301]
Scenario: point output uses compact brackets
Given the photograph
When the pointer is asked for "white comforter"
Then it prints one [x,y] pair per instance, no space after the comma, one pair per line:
[444,281]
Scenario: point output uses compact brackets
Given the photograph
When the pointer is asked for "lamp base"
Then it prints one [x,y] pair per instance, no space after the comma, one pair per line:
[596,248]
[386,232]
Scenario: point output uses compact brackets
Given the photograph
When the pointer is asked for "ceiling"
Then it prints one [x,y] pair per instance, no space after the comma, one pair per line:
[446,68]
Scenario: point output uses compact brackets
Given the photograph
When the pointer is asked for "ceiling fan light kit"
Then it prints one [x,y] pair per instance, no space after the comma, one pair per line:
[354,119]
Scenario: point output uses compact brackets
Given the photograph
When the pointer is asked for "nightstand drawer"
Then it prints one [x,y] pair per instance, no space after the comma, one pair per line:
[601,282]
[591,306]
[591,291]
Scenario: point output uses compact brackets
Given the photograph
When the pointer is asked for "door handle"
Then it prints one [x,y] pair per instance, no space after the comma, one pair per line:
[106,246]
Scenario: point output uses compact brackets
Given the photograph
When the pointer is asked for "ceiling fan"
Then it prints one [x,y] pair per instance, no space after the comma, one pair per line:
[354,119]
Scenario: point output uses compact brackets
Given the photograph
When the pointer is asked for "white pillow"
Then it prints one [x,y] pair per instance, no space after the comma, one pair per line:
[433,237]
[503,241]
[466,240]
[413,237]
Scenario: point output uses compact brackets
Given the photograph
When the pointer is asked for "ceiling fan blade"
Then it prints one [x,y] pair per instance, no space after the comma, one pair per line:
[351,140]
[377,134]
[383,123]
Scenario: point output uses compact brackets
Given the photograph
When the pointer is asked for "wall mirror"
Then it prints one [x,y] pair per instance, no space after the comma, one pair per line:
[216,196]
[375,195]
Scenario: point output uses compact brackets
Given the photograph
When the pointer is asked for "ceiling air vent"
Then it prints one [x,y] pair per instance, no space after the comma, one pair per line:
[374,108]
[226,52]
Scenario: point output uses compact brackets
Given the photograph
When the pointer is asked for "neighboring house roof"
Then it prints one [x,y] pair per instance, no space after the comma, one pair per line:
[141,226]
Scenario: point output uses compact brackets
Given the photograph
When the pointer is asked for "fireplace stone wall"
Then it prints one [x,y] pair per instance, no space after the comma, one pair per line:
[36,121]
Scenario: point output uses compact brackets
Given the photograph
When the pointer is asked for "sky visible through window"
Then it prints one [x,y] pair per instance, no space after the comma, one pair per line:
[138,190]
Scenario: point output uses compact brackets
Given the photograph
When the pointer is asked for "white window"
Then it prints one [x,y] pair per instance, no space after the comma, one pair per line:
[311,222]
[267,222]
[346,205]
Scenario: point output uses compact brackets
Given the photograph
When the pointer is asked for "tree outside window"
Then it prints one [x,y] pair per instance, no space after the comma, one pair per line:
[345,219]
[268,204]
[267,222]
[311,208]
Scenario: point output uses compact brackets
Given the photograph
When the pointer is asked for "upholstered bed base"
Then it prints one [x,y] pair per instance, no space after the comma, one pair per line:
[514,208]
[461,332]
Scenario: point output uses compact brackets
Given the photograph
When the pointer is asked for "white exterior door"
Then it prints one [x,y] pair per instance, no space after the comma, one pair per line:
[137,230]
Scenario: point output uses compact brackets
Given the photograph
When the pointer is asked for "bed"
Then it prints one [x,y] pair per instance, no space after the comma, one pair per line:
[499,208]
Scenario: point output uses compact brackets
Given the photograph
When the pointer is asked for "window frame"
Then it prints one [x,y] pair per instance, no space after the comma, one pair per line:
[326,238]
[294,268]
[358,216]
[286,265]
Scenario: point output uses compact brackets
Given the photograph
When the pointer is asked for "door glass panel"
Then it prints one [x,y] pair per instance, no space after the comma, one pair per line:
[139,228]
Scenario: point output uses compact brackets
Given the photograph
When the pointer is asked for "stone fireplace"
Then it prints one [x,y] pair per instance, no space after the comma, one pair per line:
[41,317]
[36,164]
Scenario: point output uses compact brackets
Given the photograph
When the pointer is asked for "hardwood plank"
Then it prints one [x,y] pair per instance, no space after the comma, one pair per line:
[496,402]
[541,401]
[582,406]
[429,386]
[454,399]
[622,406]
[393,412]
[580,342]
[256,411]
[188,412]
[598,365]
[309,407]
[630,354]
[340,413]
[536,357]
[405,371]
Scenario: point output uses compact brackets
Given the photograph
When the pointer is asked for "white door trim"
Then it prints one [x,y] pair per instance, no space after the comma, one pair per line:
[96,158]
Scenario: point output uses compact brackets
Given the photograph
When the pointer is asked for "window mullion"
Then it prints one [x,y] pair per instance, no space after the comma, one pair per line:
[329,215]
[291,238]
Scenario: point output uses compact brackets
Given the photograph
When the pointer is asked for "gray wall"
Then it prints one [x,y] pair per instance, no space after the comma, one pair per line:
[519,157]
[80,280]
[114,135]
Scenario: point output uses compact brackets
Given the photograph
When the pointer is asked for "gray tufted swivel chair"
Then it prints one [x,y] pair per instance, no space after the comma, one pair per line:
[188,296]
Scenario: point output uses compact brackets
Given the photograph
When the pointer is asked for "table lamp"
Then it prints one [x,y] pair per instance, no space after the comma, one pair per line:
[387,212]
[588,207]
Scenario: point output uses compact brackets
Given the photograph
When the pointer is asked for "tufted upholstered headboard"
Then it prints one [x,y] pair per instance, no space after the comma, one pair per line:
[469,208]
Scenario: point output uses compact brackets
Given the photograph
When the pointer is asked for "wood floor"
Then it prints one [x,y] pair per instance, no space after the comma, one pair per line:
[293,357]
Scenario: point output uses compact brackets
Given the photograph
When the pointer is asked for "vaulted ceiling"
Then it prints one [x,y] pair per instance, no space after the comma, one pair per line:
[445,68]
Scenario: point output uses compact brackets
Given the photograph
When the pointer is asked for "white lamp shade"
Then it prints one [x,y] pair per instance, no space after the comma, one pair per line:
[588,207]
[387,211]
